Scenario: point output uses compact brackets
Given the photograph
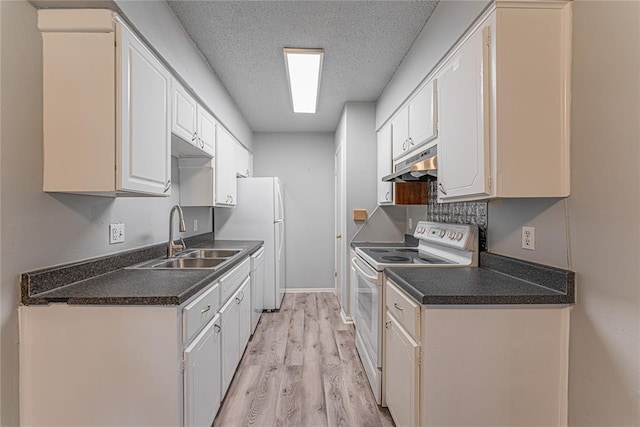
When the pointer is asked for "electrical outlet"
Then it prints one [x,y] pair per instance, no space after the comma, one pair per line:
[410,224]
[529,238]
[116,233]
[195,225]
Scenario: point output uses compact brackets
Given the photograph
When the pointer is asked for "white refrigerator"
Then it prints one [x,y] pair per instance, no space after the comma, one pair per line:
[259,215]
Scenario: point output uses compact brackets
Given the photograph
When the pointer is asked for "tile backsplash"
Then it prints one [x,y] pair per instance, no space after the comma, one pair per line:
[454,212]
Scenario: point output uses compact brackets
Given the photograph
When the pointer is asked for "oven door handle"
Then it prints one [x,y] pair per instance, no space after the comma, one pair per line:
[360,271]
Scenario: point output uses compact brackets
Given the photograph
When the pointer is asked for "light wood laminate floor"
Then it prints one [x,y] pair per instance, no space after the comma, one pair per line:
[301,368]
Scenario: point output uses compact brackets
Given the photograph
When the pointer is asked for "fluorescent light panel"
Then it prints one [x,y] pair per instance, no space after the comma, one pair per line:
[303,71]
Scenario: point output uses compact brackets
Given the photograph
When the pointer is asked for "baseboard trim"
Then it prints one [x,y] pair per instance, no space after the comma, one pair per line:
[308,290]
[345,319]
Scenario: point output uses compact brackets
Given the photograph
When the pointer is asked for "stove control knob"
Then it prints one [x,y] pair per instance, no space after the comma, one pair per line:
[459,236]
[441,233]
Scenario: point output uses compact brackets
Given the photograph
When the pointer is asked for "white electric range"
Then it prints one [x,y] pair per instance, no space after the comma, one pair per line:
[439,245]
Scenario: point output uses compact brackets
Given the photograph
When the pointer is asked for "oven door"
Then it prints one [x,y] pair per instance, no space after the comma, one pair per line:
[366,308]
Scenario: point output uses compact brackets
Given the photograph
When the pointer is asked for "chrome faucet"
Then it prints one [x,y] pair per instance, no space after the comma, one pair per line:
[171,246]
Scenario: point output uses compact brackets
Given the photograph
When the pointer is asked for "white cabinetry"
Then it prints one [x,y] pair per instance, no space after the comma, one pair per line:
[463,145]
[415,124]
[385,189]
[402,374]
[441,358]
[230,315]
[106,107]
[225,170]
[202,376]
[244,161]
[504,119]
[192,124]
[245,313]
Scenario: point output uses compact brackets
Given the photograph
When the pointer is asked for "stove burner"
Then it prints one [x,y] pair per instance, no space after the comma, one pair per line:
[396,258]
[408,250]
[379,250]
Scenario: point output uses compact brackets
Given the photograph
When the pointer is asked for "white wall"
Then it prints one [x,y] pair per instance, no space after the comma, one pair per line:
[40,229]
[448,22]
[157,23]
[304,161]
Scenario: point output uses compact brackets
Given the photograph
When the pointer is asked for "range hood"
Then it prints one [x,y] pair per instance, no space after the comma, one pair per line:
[420,167]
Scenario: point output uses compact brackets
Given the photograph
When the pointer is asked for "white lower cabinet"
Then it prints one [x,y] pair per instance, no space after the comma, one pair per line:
[402,375]
[469,365]
[134,365]
[202,394]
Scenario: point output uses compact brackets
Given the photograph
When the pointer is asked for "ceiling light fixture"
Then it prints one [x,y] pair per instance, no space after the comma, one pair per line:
[303,72]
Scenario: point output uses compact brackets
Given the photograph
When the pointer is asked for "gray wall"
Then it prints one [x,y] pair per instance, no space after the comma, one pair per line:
[449,21]
[157,23]
[304,161]
[40,229]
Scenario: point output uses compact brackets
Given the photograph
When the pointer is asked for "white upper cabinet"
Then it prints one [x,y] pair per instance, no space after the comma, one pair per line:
[192,124]
[107,108]
[463,141]
[415,124]
[225,170]
[504,117]
[385,189]
[206,132]
[244,161]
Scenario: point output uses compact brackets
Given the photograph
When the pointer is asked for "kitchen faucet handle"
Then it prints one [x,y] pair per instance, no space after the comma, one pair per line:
[183,245]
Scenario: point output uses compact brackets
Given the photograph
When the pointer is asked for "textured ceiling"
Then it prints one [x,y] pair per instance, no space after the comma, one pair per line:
[364,42]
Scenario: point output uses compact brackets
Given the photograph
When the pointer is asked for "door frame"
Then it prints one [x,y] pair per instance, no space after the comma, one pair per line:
[341,280]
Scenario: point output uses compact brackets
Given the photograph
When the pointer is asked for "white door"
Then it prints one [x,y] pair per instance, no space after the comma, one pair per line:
[206,132]
[244,301]
[202,376]
[144,142]
[280,267]
[385,164]
[402,373]
[339,247]
[230,346]
[463,146]
[422,116]
[183,116]
[225,168]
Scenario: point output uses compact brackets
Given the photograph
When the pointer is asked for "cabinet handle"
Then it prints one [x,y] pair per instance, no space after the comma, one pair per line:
[395,304]
[386,196]
[194,137]
[201,142]
[411,141]
[387,324]
[238,300]
[167,187]
[247,172]
[231,197]
[441,188]
[206,309]
[404,145]
[217,328]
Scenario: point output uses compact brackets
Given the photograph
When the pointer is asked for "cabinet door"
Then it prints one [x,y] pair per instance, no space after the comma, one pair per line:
[244,295]
[144,139]
[463,146]
[250,164]
[206,131]
[183,113]
[202,376]
[385,189]
[422,116]
[400,133]
[230,347]
[225,168]
[242,161]
[402,374]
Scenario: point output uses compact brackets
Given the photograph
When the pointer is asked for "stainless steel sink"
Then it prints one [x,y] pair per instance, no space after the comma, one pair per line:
[210,263]
[210,253]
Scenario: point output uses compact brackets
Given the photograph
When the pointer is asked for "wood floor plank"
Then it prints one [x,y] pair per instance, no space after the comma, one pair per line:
[289,409]
[314,405]
[336,396]
[311,341]
[328,346]
[236,404]
[294,354]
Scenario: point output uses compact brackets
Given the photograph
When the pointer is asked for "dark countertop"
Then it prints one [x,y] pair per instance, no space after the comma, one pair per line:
[498,280]
[122,286]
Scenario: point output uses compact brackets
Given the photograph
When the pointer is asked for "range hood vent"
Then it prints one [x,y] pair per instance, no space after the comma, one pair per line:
[421,167]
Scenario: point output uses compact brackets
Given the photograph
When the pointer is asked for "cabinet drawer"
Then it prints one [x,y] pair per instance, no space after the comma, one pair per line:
[233,279]
[197,313]
[406,311]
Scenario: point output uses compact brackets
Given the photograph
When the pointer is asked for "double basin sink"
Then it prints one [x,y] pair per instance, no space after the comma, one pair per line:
[191,259]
